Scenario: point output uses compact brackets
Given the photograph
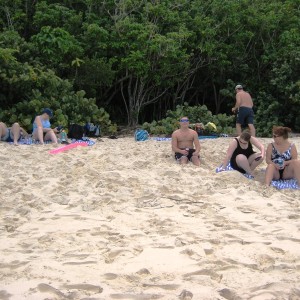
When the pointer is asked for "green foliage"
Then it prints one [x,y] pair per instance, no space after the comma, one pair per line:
[267,114]
[131,55]
[55,45]
[68,108]
[196,114]
[57,14]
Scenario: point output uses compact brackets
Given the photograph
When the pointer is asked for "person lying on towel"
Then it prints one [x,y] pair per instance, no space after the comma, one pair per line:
[12,134]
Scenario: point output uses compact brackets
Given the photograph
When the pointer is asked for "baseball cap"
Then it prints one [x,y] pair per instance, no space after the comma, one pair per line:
[239,87]
[48,111]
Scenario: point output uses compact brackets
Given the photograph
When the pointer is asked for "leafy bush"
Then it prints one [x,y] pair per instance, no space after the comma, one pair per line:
[71,107]
[267,114]
[196,114]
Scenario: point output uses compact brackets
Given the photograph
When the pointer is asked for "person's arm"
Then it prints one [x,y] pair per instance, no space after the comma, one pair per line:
[47,129]
[39,129]
[39,124]
[175,144]
[196,143]
[269,155]
[56,130]
[230,150]
[254,141]
[237,103]
[294,155]
[24,132]
[294,152]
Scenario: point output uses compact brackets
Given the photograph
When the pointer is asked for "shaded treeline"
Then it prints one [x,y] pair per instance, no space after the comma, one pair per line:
[140,58]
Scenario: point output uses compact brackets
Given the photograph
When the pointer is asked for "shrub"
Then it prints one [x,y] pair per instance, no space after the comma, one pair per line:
[196,114]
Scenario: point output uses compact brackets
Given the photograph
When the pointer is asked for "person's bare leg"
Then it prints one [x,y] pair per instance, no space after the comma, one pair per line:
[196,160]
[252,129]
[271,173]
[3,130]
[183,160]
[297,171]
[253,162]
[15,129]
[39,135]
[293,171]
[50,135]
[238,129]
[243,163]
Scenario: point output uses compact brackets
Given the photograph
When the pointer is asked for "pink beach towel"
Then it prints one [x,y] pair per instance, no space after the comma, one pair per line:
[67,147]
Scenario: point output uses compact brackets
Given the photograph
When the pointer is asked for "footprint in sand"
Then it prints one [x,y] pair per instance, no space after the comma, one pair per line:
[4,295]
[185,295]
[229,294]
[136,296]
[205,272]
[110,276]
[84,286]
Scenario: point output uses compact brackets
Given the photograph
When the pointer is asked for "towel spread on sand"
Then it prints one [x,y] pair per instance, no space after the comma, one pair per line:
[30,141]
[202,137]
[279,184]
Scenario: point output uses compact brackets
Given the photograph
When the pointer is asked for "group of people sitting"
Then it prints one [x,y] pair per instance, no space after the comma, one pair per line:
[281,155]
[41,130]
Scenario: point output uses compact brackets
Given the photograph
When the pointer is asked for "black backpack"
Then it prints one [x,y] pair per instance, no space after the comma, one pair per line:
[76,131]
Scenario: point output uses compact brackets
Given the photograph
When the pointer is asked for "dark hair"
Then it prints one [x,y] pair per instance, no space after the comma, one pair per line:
[48,111]
[282,131]
[246,136]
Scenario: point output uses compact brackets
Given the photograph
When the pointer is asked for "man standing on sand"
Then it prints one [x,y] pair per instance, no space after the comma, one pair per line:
[183,141]
[245,114]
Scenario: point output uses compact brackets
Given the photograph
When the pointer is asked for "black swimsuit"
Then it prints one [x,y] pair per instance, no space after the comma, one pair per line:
[239,150]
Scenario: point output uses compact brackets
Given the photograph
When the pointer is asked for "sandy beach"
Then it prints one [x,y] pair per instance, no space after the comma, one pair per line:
[122,220]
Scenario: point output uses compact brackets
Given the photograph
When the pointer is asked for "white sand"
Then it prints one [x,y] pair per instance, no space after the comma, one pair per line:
[121,220]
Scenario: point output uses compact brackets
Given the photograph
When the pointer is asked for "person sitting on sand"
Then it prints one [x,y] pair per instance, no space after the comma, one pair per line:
[199,128]
[11,134]
[281,157]
[42,128]
[241,155]
[183,141]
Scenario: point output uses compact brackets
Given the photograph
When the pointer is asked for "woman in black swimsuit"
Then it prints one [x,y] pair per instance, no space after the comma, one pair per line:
[241,155]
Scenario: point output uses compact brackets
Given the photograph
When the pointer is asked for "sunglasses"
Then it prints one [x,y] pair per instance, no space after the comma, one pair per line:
[184,120]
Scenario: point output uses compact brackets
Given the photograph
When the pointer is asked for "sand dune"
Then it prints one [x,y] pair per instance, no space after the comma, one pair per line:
[121,220]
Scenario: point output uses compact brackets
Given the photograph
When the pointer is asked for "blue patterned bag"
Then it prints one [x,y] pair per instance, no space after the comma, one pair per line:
[141,135]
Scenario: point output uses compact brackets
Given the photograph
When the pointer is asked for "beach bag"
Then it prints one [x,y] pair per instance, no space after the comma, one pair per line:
[76,131]
[141,135]
[92,130]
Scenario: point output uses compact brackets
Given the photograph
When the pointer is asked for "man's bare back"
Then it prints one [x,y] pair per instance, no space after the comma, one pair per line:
[243,99]
[244,107]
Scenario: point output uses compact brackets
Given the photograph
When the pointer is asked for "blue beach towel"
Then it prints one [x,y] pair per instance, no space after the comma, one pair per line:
[30,141]
[285,184]
[278,184]
[85,140]
[202,137]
